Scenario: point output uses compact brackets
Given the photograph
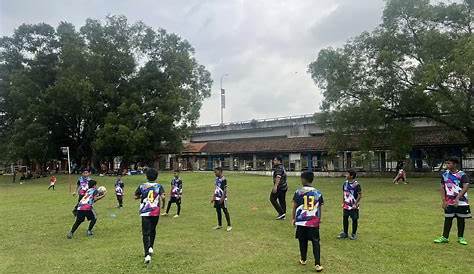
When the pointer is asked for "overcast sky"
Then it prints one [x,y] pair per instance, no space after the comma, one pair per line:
[264,46]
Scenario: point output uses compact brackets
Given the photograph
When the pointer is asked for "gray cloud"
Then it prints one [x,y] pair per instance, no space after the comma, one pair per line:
[265,46]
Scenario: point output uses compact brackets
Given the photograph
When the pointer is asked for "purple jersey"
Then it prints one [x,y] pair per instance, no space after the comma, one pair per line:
[88,200]
[176,187]
[220,187]
[308,202]
[150,195]
[351,193]
[83,185]
[119,185]
[453,184]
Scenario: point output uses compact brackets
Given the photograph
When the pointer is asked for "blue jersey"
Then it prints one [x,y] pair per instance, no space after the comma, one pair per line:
[308,202]
[220,187]
[150,195]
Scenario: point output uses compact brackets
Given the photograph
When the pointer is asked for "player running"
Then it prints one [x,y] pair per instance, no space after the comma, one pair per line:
[219,198]
[280,187]
[52,182]
[175,194]
[306,215]
[85,209]
[454,187]
[151,195]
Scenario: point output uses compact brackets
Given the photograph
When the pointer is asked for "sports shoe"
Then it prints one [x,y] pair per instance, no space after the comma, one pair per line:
[90,233]
[147,259]
[217,227]
[164,214]
[281,217]
[69,235]
[342,235]
[176,216]
[441,240]
[318,268]
[150,251]
[353,237]
[229,228]
[462,241]
[302,262]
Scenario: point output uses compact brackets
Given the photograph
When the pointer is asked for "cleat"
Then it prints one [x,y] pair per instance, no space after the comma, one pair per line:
[229,228]
[281,217]
[441,240]
[69,235]
[176,216]
[164,214]
[302,262]
[217,227]
[353,237]
[342,235]
[150,251]
[462,241]
[318,268]
[147,259]
[90,233]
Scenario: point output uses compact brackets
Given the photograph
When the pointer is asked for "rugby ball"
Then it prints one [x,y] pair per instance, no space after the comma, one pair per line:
[102,189]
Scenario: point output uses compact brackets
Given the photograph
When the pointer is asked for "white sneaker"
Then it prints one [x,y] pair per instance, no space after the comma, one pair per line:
[229,228]
[147,259]
[176,216]
[217,227]
[150,251]
[164,214]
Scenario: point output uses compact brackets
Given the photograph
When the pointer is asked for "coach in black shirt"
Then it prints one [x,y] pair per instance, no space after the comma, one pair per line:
[280,186]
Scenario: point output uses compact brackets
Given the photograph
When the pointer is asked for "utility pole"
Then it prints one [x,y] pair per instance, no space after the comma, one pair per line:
[222,99]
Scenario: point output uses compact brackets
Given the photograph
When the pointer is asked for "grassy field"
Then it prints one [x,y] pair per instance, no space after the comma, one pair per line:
[397,226]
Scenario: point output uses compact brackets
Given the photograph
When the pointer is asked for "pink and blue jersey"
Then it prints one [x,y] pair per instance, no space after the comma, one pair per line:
[83,185]
[308,202]
[119,185]
[351,191]
[176,187]
[220,187]
[150,195]
[88,200]
[453,184]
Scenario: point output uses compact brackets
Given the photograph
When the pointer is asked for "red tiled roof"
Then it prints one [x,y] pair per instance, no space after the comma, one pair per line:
[193,147]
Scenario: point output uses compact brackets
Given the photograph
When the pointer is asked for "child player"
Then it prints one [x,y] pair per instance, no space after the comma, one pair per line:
[219,198]
[454,187]
[307,204]
[119,186]
[151,195]
[82,187]
[351,196]
[85,209]
[52,182]
[175,194]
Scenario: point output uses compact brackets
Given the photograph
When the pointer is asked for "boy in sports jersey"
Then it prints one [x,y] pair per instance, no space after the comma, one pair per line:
[82,187]
[85,209]
[52,182]
[219,198]
[280,187]
[351,196]
[307,204]
[119,187]
[454,187]
[175,194]
[151,195]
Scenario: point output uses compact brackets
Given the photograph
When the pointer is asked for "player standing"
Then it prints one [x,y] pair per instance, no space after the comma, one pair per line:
[151,195]
[175,194]
[306,216]
[119,188]
[351,196]
[219,198]
[454,187]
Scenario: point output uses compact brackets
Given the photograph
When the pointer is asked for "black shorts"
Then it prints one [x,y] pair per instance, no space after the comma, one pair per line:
[307,233]
[83,214]
[458,211]
[353,213]
[217,204]
[175,200]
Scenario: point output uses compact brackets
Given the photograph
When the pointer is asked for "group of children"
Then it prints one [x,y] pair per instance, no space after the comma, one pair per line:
[306,213]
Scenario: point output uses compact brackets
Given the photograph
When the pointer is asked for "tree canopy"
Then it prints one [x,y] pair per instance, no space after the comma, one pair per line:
[109,89]
[419,63]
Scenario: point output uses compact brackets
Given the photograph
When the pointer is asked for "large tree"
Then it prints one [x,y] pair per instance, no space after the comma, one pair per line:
[419,63]
[110,89]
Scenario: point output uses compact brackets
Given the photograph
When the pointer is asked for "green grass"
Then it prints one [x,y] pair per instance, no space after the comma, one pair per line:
[397,227]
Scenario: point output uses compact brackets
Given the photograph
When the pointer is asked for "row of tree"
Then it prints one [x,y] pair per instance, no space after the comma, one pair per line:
[109,89]
[419,63]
